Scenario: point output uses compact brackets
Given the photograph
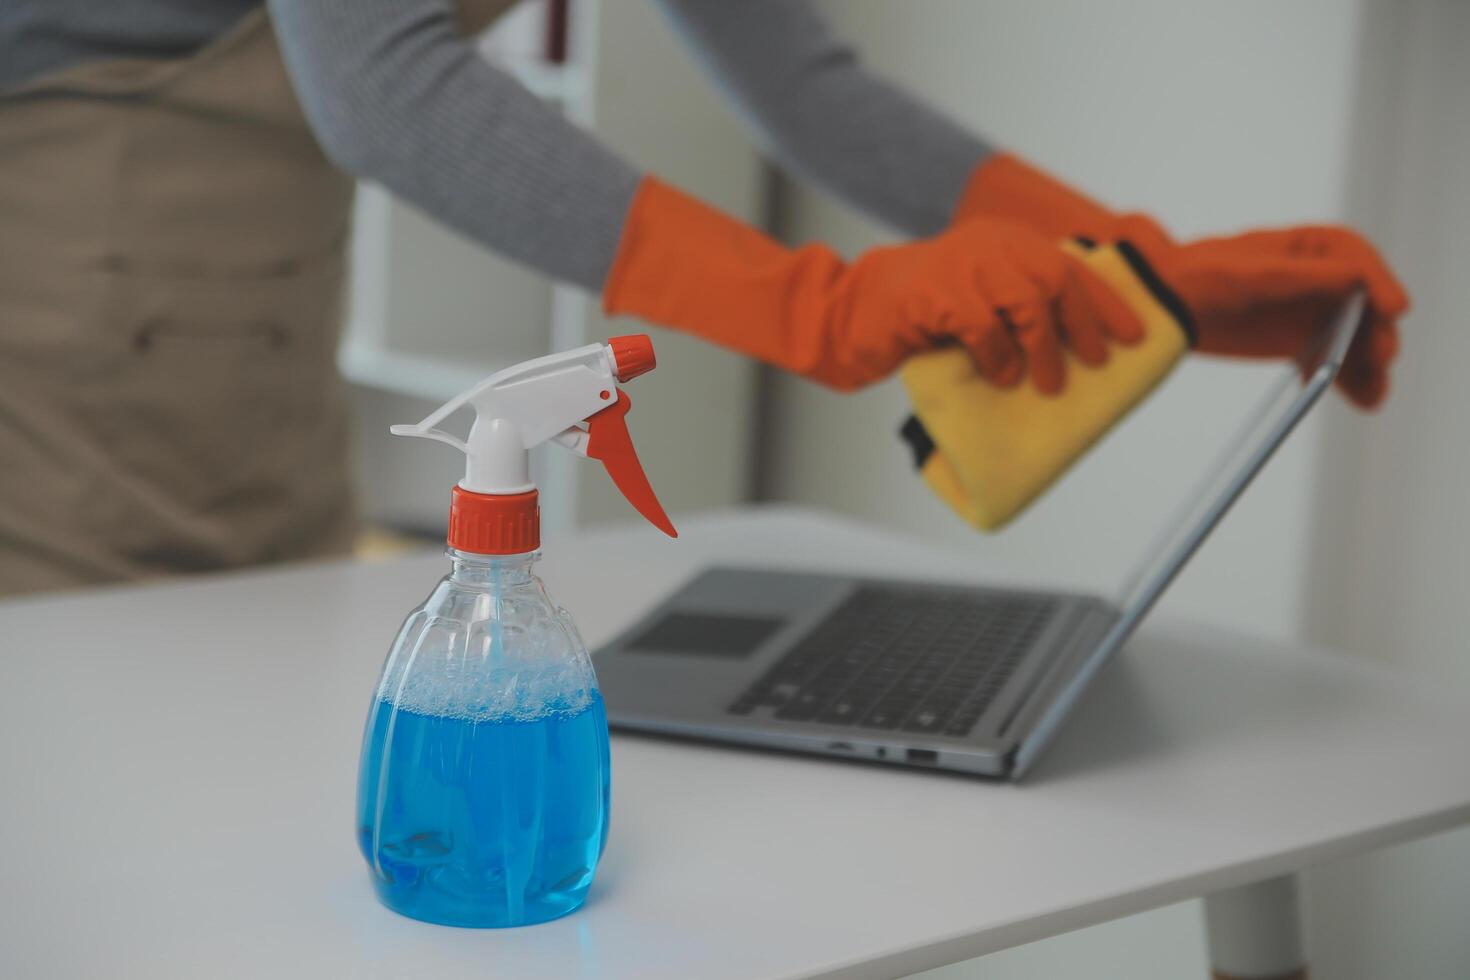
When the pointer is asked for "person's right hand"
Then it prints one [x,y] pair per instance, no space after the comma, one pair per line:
[1012,298]
[1009,295]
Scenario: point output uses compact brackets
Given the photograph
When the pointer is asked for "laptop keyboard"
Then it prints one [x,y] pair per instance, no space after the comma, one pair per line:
[913,660]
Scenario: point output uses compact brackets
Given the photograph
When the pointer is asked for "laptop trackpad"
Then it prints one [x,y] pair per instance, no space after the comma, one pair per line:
[705,634]
[701,646]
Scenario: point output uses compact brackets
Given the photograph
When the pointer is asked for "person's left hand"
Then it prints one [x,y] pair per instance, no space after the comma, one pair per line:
[1269,293]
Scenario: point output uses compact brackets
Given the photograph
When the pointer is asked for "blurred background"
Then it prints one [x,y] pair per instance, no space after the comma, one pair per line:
[1214,116]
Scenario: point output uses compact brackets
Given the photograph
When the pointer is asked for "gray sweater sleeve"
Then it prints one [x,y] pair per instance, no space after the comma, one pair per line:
[823,116]
[396,93]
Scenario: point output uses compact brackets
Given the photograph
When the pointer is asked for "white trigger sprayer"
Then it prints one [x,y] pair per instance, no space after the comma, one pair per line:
[571,399]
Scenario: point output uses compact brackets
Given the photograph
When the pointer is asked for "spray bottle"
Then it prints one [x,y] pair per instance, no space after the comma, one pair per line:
[484,784]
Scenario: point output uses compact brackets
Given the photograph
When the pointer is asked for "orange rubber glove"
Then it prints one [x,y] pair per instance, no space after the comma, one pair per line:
[1010,296]
[1260,294]
[1270,293]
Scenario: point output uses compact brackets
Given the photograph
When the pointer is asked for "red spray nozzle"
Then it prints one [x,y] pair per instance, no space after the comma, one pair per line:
[633,354]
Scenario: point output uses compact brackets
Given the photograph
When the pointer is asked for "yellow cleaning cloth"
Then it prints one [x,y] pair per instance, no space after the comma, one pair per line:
[989,452]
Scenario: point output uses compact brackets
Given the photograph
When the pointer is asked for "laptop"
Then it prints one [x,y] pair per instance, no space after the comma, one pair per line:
[973,680]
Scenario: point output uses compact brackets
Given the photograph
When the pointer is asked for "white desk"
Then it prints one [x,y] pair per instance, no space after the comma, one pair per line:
[179,763]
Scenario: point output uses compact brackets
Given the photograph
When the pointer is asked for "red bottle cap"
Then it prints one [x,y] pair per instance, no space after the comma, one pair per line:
[633,354]
[494,523]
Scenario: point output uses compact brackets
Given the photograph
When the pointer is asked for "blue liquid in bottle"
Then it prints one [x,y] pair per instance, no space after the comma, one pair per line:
[484,822]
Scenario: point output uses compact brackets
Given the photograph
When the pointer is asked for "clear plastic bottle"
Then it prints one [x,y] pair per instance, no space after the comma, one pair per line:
[483,793]
[483,788]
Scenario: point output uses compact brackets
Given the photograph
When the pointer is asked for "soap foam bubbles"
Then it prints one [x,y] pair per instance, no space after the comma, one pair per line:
[523,669]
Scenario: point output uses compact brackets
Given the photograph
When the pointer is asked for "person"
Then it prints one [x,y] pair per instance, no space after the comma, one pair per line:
[175,181]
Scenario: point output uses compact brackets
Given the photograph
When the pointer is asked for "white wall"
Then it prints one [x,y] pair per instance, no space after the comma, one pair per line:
[1395,530]
[1213,116]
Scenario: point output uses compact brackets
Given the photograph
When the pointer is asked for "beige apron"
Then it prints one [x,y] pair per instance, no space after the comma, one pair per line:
[171,267]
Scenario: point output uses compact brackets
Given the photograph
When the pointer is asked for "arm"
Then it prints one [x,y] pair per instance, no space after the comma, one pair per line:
[824,116]
[397,94]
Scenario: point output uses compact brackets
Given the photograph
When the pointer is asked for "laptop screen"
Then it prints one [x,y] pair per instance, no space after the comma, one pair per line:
[1263,430]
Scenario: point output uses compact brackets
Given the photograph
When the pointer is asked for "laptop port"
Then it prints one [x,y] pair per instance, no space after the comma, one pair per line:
[922,757]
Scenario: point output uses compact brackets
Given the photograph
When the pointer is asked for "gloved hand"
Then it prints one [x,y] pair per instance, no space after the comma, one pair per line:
[1260,294]
[1270,293]
[1009,295]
